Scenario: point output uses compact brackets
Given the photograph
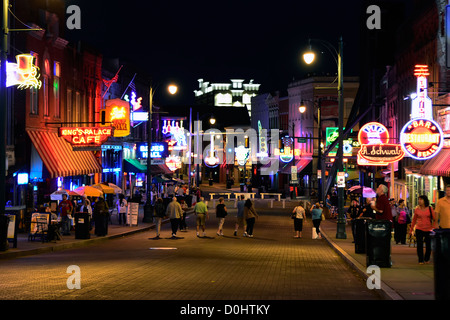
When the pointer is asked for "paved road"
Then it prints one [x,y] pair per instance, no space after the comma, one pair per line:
[271,266]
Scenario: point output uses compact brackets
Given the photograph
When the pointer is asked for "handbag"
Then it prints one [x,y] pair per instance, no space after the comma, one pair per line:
[323,217]
[294,214]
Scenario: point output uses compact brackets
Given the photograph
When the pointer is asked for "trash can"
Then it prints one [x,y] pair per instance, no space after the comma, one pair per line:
[4,222]
[210,182]
[242,187]
[378,243]
[441,258]
[360,234]
[82,225]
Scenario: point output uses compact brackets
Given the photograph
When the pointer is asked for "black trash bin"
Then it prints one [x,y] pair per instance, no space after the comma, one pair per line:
[360,234]
[242,187]
[378,243]
[4,222]
[82,225]
[441,258]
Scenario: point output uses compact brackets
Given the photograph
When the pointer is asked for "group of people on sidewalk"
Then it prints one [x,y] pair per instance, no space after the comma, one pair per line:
[422,220]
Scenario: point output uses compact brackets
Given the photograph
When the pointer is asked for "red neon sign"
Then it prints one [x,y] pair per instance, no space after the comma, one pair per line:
[375,147]
[85,136]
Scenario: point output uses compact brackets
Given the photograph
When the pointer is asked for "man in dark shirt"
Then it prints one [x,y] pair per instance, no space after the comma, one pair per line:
[382,207]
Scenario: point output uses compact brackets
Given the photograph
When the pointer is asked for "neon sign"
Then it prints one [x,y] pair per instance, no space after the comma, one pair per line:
[85,136]
[287,154]
[242,154]
[212,161]
[421,138]
[175,129]
[173,162]
[263,153]
[135,103]
[117,114]
[375,147]
[23,73]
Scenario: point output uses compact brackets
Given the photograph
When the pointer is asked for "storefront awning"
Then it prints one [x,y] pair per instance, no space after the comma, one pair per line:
[438,165]
[59,158]
[134,165]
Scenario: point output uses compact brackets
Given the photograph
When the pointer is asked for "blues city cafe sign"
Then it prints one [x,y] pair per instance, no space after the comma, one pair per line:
[421,138]
[375,147]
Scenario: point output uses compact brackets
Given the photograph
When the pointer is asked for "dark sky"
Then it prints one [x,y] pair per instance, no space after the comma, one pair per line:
[183,41]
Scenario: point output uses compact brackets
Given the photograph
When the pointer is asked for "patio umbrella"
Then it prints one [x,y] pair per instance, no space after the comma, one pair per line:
[104,188]
[89,191]
[57,195]
[366,192]
[115,187]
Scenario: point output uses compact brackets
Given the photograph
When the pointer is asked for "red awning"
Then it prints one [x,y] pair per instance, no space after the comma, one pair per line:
[59,158]
[439,165]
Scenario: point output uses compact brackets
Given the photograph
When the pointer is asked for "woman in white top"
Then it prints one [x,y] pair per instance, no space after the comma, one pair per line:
[122,209]
[298,214]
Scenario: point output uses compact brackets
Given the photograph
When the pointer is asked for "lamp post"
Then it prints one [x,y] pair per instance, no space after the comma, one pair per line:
[309,58]
[212,121]
[148,216]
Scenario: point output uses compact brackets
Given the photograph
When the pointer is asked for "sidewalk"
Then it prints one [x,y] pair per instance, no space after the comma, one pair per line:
[405,280]
[25,247]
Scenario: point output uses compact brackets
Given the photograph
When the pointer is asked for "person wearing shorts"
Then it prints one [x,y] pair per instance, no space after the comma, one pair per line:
[201,211]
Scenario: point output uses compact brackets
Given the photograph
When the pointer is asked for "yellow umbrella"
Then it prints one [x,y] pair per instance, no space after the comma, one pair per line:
[104,188]
[115,187]
[89,191]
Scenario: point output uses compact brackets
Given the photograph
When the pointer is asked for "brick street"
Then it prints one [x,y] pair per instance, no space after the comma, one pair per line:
[271,266]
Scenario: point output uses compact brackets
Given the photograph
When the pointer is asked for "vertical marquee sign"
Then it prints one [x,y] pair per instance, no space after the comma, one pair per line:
[421,138]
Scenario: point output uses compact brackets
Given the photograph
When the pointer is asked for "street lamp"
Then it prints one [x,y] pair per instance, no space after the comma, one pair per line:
[148,217]
[309,58]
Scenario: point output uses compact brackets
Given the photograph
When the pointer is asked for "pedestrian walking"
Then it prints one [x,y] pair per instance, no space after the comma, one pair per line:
[240,221]
[221,213]
[443,209]
[298,214]
[403,219]
[422,224]
[65,211]
[201,211]
[353,212]
[184,208]
[316,216]
[101,213]
[250,216]
[159,215]
[122,206]
[174,213]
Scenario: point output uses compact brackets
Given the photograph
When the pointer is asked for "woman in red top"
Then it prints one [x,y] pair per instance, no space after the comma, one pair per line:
[424,221]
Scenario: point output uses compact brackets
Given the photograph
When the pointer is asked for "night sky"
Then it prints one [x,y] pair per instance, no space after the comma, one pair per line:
[183,41]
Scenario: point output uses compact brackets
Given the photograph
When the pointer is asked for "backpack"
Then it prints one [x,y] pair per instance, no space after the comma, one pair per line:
[402,217]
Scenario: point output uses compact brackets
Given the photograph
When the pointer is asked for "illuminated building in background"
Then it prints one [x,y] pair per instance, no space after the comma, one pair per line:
[237,93]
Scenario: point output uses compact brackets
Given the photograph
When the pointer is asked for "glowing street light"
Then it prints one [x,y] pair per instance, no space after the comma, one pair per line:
[172,89]
[309,57]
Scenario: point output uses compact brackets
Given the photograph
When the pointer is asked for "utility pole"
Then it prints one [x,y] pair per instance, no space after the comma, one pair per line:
[4,220]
